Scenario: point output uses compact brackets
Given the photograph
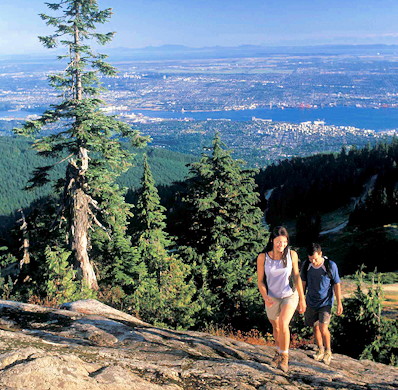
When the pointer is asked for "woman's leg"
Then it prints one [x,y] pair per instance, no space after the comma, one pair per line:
[275,331]
[286,315]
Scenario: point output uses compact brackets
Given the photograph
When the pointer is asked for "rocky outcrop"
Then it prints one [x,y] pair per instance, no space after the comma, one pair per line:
[88,345]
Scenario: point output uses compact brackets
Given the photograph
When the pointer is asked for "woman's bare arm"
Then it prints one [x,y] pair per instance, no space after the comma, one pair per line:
[298,282]
[261,282]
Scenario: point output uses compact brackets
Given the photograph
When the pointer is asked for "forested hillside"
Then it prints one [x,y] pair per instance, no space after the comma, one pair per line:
[304,193]
[324,182]
[18,160]
[355,192]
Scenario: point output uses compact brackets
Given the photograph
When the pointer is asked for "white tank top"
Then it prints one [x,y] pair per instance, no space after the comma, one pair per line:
[278,276]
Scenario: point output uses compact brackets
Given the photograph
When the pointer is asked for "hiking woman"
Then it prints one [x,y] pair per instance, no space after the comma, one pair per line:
[280,285]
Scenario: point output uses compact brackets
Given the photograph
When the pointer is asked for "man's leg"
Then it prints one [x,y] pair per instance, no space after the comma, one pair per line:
[324,319]
[318,335]
[318,356]
[324,331]
[311,316]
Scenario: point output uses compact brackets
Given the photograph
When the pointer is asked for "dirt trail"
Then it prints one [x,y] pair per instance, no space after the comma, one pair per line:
[367,187]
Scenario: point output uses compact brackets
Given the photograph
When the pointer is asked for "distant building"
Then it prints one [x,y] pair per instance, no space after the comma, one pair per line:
[254,119]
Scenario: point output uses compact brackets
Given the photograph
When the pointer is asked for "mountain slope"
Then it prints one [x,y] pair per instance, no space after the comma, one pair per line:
[17,161]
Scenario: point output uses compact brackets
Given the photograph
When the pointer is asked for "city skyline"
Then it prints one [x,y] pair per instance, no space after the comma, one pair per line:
[204,23]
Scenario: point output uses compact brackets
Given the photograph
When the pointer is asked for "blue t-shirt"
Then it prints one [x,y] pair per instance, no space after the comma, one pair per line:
[319,285]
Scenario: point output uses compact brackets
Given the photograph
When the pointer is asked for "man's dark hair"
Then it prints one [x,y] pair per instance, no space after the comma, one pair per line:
[312,248]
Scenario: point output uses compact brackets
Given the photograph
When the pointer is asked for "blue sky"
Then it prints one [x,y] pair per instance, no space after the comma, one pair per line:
[199,23]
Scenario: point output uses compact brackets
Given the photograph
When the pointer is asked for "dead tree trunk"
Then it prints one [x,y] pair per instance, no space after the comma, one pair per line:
[80,215]
[25,240]
[80,240]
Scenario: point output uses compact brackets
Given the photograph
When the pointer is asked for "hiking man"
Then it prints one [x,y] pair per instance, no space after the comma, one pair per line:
[321,278]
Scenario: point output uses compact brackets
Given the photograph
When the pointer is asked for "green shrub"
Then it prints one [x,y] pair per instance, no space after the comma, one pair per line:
[61,285]
[7,290]
[361,332]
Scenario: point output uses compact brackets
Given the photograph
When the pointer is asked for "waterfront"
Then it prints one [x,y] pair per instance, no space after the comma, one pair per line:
[362,118]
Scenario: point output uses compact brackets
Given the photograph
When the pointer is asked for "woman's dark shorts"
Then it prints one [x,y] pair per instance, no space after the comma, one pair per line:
[322,315]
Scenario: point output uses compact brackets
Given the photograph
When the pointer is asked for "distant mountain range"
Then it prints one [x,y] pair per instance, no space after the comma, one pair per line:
[178,52]
[181,52]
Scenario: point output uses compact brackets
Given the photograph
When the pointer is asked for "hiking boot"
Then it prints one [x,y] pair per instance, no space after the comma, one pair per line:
[283,363]
[319,355]
[327,358]
[275,359]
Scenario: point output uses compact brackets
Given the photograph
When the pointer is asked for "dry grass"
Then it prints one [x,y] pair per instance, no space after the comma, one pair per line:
[46,302]
[255,337]
[390,302]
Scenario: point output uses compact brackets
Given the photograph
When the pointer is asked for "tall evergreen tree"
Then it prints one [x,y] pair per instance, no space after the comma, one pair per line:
[224,231]
[88,140]
[149,213]
[165,294]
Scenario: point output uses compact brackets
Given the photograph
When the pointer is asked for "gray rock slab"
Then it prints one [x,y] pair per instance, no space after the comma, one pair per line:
[93,307]
[88,345]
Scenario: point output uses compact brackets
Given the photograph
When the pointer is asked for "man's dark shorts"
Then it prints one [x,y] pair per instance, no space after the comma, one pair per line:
[321,314]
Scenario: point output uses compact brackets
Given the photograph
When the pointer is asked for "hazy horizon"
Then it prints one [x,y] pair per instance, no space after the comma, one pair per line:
[140,24]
